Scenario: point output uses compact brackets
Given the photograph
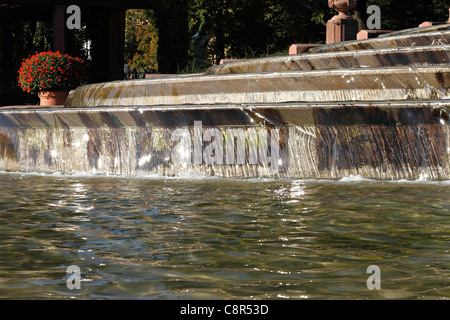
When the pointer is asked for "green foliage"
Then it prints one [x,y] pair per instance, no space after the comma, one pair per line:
[252,28]
[146,57]
[398,14]
[20,39]
[141,42]
[190,35]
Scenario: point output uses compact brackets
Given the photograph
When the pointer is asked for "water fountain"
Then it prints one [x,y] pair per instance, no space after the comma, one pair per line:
[378,108]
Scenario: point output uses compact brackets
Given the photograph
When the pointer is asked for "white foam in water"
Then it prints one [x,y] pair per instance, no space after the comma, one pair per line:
[72,175]
[421,180]
[189,175]
[195,176]
[356,178]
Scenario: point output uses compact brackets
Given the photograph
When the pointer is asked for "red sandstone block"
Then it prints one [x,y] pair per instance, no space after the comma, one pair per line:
[431,23]
[298,48]
[426,24]
[30,107]
[368,34]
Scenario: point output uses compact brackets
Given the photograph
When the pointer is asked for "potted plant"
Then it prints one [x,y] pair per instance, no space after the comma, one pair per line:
[51,75]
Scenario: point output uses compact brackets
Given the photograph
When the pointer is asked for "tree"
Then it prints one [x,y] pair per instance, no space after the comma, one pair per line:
[34,36]
[398,15]
[145,60]
[251,28]
[294,21]
[209,19]
[141,41]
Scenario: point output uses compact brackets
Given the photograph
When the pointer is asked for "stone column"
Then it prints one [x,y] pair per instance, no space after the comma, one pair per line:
[342,27]
[59,29]
[6,38]
[116,43]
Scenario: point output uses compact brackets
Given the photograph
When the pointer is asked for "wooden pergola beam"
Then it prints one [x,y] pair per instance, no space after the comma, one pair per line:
[59,28]
[129,4]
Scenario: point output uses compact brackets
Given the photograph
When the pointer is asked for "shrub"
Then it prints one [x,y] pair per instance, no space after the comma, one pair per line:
[51,71]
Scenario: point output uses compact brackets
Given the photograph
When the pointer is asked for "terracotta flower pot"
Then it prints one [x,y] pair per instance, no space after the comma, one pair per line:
[53,97]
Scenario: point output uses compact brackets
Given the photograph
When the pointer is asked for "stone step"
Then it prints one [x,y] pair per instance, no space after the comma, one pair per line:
[399,57]
[260,115]
[414,38]
[344,85]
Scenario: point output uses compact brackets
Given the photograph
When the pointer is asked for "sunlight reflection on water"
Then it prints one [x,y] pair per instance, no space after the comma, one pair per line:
[195,238]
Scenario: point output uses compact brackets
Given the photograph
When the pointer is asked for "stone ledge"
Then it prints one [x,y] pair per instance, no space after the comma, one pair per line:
[157,75]
[31,107]
[298,48]
[369,34]
[225,61]
[430,24]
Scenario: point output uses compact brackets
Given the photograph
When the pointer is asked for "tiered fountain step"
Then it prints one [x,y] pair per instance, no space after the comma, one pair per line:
[377,108]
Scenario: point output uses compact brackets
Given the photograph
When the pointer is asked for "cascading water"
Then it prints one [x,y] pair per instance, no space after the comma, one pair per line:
[377,108]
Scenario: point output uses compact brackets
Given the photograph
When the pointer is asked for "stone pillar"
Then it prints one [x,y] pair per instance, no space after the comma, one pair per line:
[59,26]
[116,43]
[6,38]
[342,27]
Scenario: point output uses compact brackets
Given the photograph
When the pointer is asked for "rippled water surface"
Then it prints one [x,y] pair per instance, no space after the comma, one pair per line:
[204,238]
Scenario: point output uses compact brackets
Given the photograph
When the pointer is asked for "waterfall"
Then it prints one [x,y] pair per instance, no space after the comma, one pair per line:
[376,108]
